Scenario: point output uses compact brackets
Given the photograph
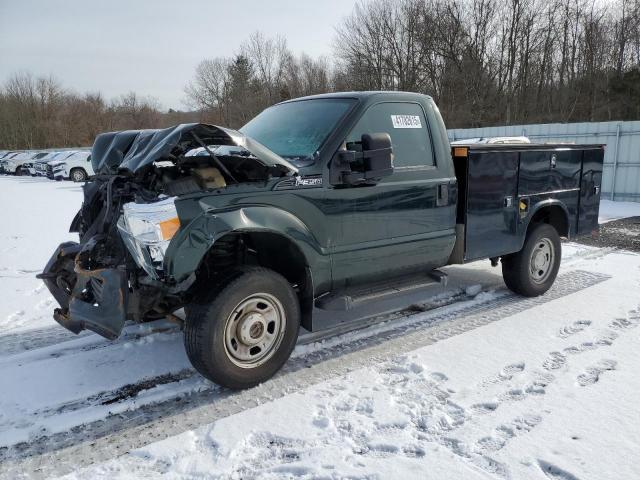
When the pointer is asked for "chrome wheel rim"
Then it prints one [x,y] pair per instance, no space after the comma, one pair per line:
[78,176]
[254,330]
[542,260]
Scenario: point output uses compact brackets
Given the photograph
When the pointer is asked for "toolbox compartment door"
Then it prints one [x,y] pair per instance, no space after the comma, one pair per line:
[549,171]
[491,204]
[590,189]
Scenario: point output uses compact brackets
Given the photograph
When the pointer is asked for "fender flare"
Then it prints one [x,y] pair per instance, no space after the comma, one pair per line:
[542,204]
[192,242]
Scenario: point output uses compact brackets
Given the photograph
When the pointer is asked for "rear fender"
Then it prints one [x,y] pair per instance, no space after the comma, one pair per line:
[537,208]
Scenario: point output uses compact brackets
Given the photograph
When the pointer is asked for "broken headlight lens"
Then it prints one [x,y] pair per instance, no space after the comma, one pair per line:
[147,229]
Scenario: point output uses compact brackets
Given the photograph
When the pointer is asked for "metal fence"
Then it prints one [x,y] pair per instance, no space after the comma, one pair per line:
[621,175]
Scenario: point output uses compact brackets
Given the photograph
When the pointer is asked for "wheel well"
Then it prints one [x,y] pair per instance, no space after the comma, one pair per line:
[266,249]
[77,168]
[555,216]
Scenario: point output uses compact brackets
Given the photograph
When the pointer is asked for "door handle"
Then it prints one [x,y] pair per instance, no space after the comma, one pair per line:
[442,197]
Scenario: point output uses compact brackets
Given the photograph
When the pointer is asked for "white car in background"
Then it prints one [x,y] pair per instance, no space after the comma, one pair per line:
[15,163]
[76,167]
[4,160]
[40,166]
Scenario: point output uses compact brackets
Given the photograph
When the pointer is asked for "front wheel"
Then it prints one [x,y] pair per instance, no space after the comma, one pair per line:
[78,175]
[532,270]
[244,331]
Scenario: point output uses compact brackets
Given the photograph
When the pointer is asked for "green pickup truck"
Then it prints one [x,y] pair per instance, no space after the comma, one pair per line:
[315,207]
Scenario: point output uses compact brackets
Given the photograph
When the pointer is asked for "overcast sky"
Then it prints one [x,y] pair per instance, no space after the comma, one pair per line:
[150,46]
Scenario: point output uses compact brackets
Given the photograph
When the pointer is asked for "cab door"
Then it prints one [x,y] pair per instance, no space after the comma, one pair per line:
[403,223]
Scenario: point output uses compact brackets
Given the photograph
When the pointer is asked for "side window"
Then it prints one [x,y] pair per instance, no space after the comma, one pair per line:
[407,126]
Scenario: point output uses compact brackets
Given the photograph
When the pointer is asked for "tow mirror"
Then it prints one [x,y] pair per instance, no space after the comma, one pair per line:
[365,166]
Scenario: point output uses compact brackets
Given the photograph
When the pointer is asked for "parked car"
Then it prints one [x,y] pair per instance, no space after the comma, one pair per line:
[27,167]
[76,167]
[14,164]
[7,154]
[40,167]
[4,161]
[327,203]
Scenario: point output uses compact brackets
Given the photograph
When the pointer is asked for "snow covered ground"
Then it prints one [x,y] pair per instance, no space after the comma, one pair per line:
[493,386]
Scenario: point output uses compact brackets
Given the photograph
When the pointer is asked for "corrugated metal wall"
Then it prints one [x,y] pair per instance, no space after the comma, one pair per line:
[621,176]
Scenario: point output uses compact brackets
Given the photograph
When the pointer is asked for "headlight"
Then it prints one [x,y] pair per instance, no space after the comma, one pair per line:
[147,229]
[57,168]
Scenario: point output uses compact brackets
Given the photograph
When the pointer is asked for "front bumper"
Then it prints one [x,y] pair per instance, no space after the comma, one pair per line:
[93,300]
[40,169]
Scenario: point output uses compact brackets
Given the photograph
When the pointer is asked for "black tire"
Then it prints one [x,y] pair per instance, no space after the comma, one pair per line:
[520,271]
[209,320]
[77,175]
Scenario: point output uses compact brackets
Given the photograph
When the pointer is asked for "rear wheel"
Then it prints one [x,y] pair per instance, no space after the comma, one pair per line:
[78,175]
[243,332]
[532,270]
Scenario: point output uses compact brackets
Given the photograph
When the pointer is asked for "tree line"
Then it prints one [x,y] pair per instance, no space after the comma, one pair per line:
[38,112]
[485,62]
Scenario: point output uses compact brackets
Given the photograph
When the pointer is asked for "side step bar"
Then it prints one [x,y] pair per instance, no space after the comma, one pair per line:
[353,297]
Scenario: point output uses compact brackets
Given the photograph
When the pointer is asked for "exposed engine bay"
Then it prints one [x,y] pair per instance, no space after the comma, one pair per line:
[128,218]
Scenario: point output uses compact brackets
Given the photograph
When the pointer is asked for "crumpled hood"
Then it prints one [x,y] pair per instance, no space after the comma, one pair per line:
[135,149]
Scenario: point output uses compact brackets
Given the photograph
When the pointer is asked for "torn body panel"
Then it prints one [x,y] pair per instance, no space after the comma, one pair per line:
[89,299]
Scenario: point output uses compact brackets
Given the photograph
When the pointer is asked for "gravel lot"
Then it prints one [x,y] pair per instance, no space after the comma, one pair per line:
[623,234]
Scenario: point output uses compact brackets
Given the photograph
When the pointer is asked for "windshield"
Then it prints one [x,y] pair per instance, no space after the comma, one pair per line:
[296,130]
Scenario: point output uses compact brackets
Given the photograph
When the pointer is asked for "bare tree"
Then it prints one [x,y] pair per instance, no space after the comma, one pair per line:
[208,90]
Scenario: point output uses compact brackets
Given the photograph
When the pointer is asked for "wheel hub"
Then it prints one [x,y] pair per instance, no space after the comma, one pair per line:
[542,259]
[252,328]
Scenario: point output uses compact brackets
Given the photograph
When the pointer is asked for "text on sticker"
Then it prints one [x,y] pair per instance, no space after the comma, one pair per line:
[406,121]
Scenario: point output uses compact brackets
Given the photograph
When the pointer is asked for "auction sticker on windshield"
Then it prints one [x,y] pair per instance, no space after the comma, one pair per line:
[406,121]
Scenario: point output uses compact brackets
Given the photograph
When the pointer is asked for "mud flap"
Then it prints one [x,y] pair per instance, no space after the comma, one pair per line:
[89,299]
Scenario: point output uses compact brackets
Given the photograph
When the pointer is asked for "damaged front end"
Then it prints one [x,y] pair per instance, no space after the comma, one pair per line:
[128,218]
[89,299]
[90,280]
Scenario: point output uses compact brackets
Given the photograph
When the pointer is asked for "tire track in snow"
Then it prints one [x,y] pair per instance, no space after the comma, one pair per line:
[99,441]
[61,341]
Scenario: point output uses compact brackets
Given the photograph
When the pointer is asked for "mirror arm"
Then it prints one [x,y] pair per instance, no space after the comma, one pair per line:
[341,172]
